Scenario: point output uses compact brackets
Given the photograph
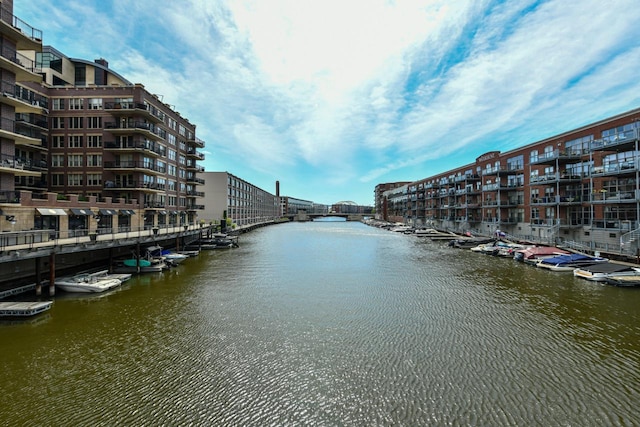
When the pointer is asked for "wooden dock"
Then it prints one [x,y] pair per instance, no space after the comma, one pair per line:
[22,308]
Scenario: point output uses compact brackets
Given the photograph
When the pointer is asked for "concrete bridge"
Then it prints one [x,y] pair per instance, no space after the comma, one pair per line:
[304,216]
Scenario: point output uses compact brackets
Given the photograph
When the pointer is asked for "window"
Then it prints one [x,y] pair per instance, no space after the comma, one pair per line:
[74,179]
[94,141]
[57,104]
[57,141]
[95,103]
[57,179]
[94,122]
[75,161]
[515,163]
[76,104]
[75,141]
[171,155]
[57,122]
[171,139]
[94,179]
[94,159]
[57,160]
[80,75]
[76,122]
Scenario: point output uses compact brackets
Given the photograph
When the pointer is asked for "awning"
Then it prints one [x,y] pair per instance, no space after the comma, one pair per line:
[174,212]
[81,211]
[108,212]
[162,212]
[127,212]
[50,211]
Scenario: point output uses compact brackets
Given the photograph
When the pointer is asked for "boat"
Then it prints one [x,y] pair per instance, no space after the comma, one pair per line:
[87,282]
[625,281]
[165,255]
[217,241]
[133,266]
[470,242]
[601,271]
[533,254]
[189,253]
[569,262]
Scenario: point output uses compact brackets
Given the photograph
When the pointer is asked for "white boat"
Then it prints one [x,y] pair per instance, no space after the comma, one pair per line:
[87,282]
[169,257]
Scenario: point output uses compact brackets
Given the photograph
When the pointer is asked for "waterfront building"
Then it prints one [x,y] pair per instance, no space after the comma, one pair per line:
[580,187]
[381,201]
[84,149]
[23,125]
[291,206]
[349,207]
[227,196]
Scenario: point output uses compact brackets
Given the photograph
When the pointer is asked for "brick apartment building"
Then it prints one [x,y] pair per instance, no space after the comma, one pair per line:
[581,186]
[77,137]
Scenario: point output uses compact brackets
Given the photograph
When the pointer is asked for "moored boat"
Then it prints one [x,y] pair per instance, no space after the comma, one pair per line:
[569,262]
[87,282]
[133,266]
[601,271]
[533,254]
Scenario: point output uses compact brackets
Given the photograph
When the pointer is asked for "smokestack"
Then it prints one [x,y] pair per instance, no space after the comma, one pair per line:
[277,188]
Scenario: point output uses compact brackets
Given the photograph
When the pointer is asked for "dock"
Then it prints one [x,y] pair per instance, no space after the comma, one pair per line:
[23,309]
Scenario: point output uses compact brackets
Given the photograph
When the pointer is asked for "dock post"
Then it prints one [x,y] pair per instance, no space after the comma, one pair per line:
[38,281]
[52,274]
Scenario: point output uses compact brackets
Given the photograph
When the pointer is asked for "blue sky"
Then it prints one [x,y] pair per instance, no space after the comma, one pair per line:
[332,97]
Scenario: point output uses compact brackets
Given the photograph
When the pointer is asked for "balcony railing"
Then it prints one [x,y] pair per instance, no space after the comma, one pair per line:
[19,24]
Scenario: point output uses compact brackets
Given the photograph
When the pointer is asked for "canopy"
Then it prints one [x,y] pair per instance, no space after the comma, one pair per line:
[50,211]
[81,211]
[127,212]
[108,212]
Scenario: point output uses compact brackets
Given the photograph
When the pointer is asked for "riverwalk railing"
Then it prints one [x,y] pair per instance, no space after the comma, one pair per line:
[41,239]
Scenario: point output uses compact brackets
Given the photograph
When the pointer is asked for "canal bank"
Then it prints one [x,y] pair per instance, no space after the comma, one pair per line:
[27,260]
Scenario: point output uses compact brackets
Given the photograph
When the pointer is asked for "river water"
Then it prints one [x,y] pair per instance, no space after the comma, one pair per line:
[331,324]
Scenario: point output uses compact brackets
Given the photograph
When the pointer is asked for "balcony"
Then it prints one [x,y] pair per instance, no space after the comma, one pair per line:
[135,108]
[623,141]
[135,165]
[117,185]
[197,142]
[192,153]
[149,130]
[195,193]
[146,147]
[195,207]
[33,120]
[558,156]
[18,166]
[192,179]
[26,36]
[22,99]
[23,67]
[615,197]
[615,168]
[20,135]
[192,166]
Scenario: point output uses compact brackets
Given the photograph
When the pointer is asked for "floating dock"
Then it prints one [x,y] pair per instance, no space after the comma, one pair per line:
[23,309]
